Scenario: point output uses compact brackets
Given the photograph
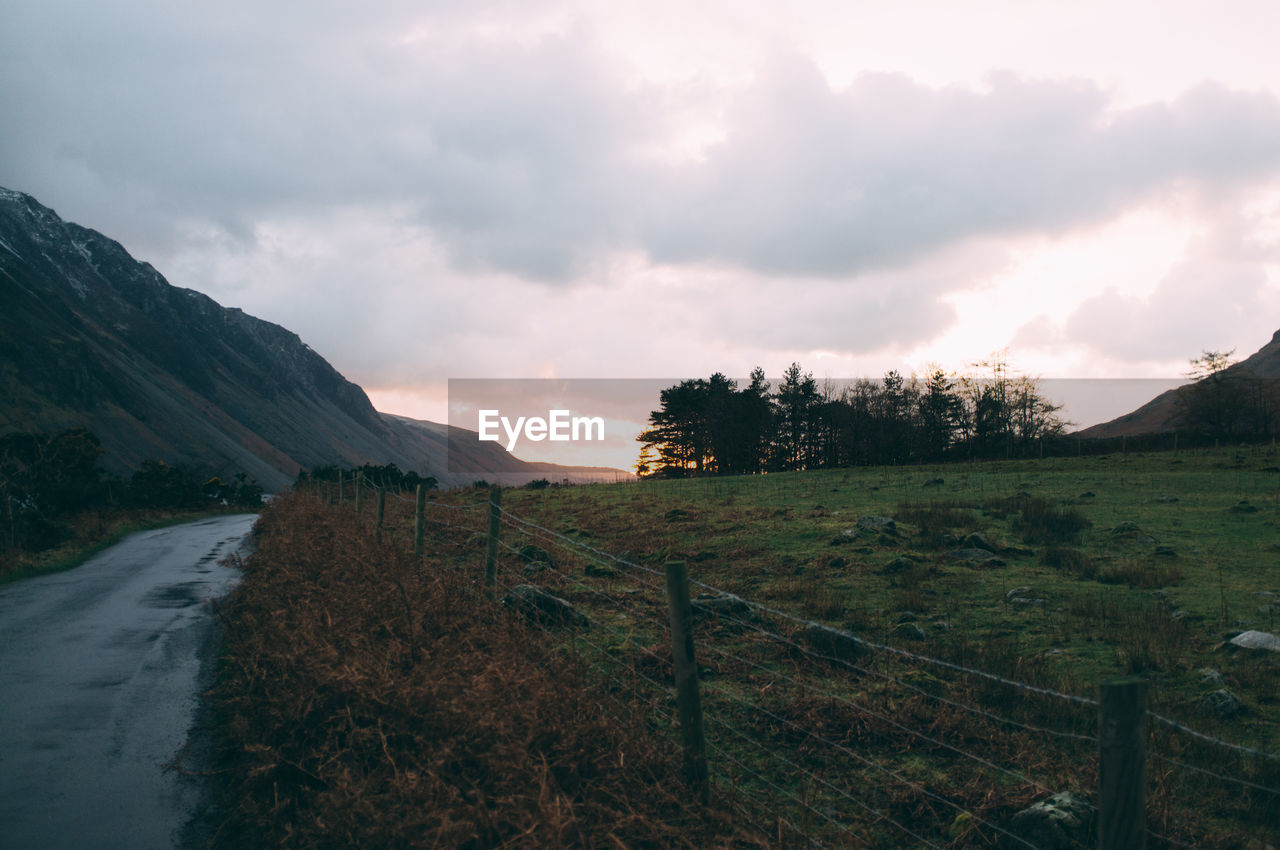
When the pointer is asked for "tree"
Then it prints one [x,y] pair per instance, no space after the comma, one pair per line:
[1215,403]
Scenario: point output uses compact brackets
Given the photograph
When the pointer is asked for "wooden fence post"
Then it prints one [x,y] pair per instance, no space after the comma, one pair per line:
[1122,758]
[419,508]
[491,556]
[685,668]
[359,486]
[382,509]
[341,495]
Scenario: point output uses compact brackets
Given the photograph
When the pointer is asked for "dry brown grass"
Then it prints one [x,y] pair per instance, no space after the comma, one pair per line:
[370,699]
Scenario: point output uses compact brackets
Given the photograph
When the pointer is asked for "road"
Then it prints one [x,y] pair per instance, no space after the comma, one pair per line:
[100,671]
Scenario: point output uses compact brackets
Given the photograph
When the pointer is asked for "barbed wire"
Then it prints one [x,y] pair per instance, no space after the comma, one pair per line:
[1236,780]
[822,739]
[1209,739]
[871,712]
[840,791]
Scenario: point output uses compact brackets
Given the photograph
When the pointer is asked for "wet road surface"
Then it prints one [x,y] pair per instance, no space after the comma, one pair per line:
[100,671]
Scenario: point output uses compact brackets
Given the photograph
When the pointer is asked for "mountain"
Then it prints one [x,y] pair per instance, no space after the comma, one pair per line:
[1168,411]
[91,337]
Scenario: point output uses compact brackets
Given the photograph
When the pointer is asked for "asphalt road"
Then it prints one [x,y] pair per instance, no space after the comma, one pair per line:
[100,672]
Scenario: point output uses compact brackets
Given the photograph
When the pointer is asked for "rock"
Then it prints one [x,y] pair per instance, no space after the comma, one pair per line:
[699,557]
[897,565]
[1213,677]
[977,556]
[676,515]
[537,604]
[1256,640]
[1265,594]
[1146,540]
[722,605]
[1018,591]
[1221,704]
[977,541]
[1165,497]
[1165,551]
[837,563]
[1126,527]
[533,568]
[1060,822]
[908,631]
[1088,494]
[834,643]
[535,554]
[950,539]
[934,482]
[906,617]
[1024,601]
[597,570]
[1243,507]
[879,525]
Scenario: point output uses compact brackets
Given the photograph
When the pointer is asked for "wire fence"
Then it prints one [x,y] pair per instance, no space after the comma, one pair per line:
[827,736]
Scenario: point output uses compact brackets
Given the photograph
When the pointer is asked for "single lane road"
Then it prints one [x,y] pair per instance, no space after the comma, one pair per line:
[100,673]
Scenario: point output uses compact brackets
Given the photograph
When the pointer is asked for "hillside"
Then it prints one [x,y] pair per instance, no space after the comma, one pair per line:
[91,337]
[1165,412]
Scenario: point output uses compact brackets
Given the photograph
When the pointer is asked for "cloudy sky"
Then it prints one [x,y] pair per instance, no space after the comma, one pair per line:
[426,190]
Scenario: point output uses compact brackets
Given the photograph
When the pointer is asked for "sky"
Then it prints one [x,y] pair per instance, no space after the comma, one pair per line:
[434,190]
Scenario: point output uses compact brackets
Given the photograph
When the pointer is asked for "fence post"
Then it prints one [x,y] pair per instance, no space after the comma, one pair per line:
[1122,758]
[419,508]
[359,486]
[341,495]
[685,668]
[491,556]
[382,508]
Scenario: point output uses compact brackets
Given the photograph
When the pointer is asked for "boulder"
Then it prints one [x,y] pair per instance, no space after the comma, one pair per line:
[1057,823]
[879,525]
[676,515]
[541,606]
[1222,704]
[908,631]
[1165,551]
[978,541]
[977,556]
[1256,640]
[535,554]
[897,565]
[1244,507]
[834,643]
[600,570]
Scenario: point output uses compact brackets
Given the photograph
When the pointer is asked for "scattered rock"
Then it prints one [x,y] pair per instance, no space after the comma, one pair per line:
[1060,822]
[908,631]
[1126,527]
[1221,704]
[1146,540]
[596,570]
[934,482]
[906,617]
[533,568]
[1243,507]
[676,515]
[950,539]
[1165,551]
[879,525]
[837,563]
[834,643]
[1165,497]
[887,539]
[1023,590]
[1256,640]
[977,541]
[699,557]
[977,556]
[1088,494]
[1027,601]
[1265,594]
[538,604]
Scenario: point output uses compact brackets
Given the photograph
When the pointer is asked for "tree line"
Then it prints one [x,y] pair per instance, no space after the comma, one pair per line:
[47,480]
[714,426]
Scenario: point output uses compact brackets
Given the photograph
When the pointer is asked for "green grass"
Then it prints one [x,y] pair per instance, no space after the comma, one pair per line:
[1145,563]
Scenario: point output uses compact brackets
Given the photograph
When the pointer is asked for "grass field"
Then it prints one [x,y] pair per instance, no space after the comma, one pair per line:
[1123,565]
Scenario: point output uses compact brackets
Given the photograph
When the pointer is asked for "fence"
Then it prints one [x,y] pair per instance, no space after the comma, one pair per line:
[825,735]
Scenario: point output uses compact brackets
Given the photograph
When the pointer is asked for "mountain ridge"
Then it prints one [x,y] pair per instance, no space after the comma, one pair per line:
[91,337]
